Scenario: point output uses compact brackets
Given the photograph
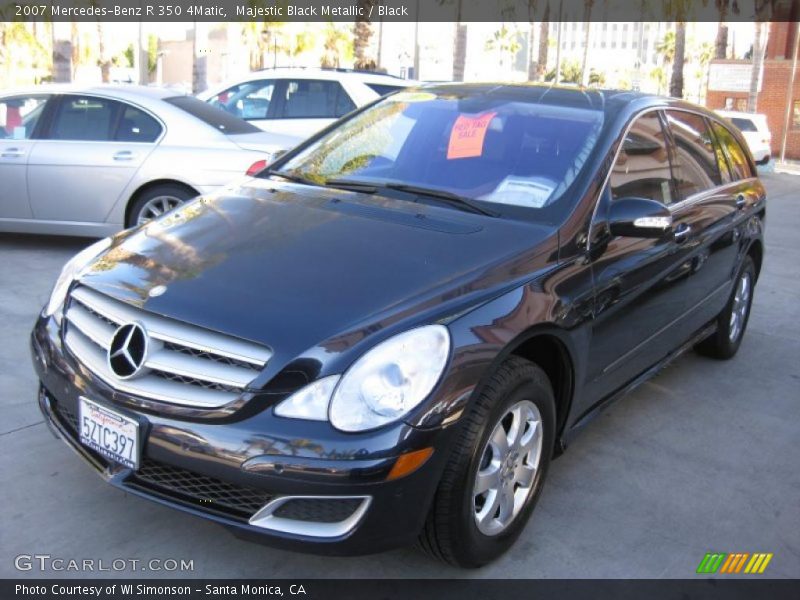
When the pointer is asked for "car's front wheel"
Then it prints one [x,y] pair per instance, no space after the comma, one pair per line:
[496,469]
[154,202]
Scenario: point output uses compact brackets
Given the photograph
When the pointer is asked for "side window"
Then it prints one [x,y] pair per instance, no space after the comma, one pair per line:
[19,115]
[249,100]
[314,99]
[695,167]
[137,126]
[722,161]
[642,169]
[85,118]
[737,156]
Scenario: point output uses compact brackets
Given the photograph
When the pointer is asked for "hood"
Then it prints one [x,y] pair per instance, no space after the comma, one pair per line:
[291,266]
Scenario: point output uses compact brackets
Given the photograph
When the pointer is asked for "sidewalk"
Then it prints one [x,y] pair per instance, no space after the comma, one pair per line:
[792,167]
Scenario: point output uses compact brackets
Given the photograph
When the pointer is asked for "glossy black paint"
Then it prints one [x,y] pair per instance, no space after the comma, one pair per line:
[322,275]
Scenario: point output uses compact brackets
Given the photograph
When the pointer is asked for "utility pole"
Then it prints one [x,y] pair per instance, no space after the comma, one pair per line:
[788,116]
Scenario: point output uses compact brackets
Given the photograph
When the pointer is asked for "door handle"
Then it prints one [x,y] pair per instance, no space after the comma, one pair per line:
[741,201]
[681,233]
[124,155]
[12,153]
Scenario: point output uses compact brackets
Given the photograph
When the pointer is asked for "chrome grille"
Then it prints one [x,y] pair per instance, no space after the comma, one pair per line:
[186,365]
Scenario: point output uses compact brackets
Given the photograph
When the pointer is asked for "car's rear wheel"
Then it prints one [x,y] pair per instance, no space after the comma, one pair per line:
[732,321]
[157,200]
[496,469]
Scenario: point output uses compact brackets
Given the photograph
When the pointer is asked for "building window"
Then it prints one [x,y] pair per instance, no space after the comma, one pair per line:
[796,115]
[738,104]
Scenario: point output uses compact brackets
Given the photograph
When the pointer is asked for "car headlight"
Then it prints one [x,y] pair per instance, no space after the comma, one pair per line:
[69,272]
[390,379]
[310,402]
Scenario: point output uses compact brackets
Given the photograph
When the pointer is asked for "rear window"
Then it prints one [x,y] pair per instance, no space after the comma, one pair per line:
[211,115]
[744,124]
[382,88]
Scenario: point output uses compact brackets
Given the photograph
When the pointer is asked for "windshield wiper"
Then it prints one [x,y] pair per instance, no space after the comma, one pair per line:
[450,198]
[292,178]
[352,185]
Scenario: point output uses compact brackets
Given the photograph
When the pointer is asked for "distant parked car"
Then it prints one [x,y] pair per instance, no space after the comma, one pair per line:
[93,160]
[299,102]
[755,130]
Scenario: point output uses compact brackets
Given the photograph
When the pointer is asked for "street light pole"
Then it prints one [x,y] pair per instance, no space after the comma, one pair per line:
[789,90]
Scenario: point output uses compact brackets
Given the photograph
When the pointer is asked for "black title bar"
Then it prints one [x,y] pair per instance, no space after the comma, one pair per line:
[400,589]
[398,10]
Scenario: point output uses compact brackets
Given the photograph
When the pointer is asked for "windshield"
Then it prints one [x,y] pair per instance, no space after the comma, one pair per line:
[498,150]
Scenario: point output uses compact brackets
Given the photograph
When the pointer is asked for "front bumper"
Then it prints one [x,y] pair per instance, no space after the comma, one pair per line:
[298,485]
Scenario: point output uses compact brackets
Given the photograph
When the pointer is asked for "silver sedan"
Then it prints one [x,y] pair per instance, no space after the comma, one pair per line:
[90,161]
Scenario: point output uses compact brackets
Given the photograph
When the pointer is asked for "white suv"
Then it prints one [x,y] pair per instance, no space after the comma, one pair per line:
[755,130]
[296,103]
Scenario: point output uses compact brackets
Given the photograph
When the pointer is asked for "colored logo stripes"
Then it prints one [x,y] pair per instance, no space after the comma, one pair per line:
[737,562]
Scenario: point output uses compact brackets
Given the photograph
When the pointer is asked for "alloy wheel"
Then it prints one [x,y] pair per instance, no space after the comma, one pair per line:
[507,469]
[741,303]
[157,206]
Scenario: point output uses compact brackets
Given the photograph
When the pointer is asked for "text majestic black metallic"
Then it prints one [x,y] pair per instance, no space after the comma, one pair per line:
[386,335]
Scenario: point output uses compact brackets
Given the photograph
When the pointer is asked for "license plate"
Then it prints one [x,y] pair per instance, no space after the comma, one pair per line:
[109,433]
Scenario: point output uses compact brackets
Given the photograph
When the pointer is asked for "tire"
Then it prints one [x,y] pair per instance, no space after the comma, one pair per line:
[157,200]
[732,321]
[451,532]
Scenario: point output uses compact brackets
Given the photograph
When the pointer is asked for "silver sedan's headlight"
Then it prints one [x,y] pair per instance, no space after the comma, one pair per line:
[390,379]
[69,272]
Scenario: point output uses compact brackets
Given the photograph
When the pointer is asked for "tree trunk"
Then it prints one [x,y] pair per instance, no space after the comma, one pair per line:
[105,61]
[532,53]
[460,52]
[200,61]
[544,31]
[676,81]
[759,46]
[586,39]
[721,43]
[62,53]
[362,34]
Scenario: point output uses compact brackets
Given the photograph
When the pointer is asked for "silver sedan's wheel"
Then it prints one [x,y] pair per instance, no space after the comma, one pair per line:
[507,468]
[157,206]
[741,303]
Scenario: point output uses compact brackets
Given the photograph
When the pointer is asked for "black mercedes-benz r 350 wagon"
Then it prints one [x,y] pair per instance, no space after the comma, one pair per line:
[387,334]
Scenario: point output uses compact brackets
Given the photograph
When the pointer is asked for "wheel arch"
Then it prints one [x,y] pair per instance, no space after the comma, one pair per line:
[756,252]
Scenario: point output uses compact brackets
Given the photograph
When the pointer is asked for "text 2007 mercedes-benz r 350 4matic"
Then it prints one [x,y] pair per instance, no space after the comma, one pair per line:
[386,335]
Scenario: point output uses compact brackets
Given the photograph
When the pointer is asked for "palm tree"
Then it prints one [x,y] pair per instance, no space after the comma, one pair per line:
[104,61]
[544,42]
[338,44]
[362,33]
[505,42]
[459,45]
[586,39]
[666,50]
[759,45]
[531,53]
[721,43]
[676,82]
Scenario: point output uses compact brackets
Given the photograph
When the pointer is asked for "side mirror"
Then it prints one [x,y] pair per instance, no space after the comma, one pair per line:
[639,218]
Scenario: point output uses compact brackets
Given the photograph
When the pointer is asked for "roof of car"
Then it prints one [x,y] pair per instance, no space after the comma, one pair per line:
[127,91]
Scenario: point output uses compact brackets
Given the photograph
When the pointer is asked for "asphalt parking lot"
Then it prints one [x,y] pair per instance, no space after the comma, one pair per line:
[703,458]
